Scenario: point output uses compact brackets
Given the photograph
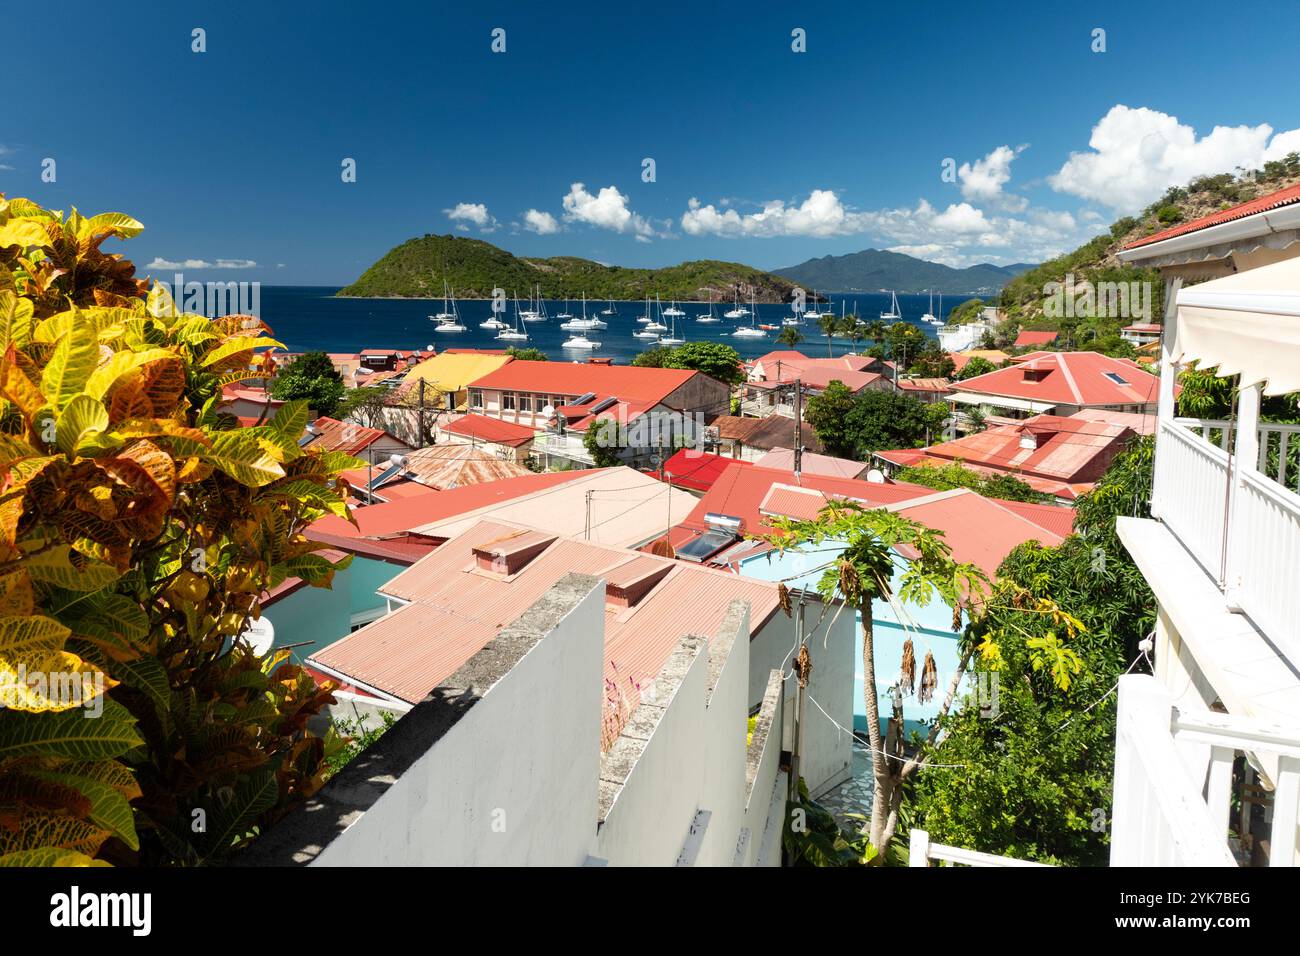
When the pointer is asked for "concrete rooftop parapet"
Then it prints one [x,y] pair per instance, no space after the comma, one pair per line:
[768,715]
[302,835]
[617,763]
[734,624]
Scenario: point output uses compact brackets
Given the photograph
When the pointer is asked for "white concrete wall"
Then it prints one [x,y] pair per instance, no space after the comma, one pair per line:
[828,751]
[513,781]
[503,765]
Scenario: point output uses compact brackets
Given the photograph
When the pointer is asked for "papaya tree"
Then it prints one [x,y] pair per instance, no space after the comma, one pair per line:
[887,557]
[139,527]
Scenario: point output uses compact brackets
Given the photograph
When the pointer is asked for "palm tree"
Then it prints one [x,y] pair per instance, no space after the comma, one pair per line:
[790,336]
[853,329]
[868,569]
[876,331]
[829,326]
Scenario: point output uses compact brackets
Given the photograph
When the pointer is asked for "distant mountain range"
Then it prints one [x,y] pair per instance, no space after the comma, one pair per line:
[876,270]
[472,268]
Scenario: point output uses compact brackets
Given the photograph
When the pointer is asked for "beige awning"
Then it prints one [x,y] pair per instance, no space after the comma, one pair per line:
[1247,323]
[1001,401]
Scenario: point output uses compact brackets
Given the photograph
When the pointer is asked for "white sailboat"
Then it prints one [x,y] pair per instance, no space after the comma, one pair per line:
[535,313]
[672,337]
[750,331]
[737,312]
[672,311]
[939,318]
[610,311]
[645,333]
[448,319]
[657,325]
[515,333]
[893,312]
[708,316]
[929,314]
[565,315]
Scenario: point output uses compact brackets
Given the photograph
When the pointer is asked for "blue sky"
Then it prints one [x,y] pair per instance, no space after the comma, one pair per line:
[233,156]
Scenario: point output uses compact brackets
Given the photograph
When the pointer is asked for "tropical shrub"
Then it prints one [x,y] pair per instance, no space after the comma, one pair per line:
[138,528]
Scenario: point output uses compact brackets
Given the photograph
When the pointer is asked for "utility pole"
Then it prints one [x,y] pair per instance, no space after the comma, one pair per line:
[587,531]
[803,670]
[798,427]
[422,432]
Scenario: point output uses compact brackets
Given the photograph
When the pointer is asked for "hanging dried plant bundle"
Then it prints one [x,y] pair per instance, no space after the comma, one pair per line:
[783,596]
[907,675]
[929,679]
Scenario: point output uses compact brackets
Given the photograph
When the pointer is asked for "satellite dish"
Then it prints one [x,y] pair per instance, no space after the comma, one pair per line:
[260,635]
[548,411]
[876,476]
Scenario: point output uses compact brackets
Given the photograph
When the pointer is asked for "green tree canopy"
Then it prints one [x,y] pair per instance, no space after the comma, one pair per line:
[954,475]
[312,378]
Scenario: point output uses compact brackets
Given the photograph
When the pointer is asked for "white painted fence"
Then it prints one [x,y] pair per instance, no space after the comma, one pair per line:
[1163,814]
[1252,554]
[921,851]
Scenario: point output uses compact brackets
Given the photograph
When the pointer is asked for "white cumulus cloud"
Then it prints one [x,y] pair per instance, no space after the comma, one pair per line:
[542,223]
[1135,154]
[606,209]
[471,212]
[982,180]
[821,214]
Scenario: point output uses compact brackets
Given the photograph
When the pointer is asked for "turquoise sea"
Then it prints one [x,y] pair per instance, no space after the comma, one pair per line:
[311,317]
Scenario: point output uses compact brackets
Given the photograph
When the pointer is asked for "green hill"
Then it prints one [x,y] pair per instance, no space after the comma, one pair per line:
[1023,298]
[473,268]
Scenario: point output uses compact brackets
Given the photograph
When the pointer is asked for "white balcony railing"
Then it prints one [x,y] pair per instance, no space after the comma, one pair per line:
[1173,786]
[1231,503]
[921,852]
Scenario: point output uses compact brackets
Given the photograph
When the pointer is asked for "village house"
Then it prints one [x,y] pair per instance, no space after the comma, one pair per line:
[654,410]
[1059,383]
[769,388]
[1062,457]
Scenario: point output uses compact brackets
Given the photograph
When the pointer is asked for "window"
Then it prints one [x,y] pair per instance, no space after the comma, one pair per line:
[508,401]
[525,403]
[476,398]
[1115,377]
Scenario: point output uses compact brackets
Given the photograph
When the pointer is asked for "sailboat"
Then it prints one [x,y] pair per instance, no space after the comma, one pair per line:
[893,312]
[565,315]
[578,340]
[610,311]
[535,313]
[929,315]
[813,313]
[708,316]
[672,338]
[657,325]
[672,311]
[749,331]
[448,321]
[939,319]
[517,333]
[583,324]
[737,312]
[645,333]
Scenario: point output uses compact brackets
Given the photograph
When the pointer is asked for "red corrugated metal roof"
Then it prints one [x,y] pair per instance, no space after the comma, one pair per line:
[459,608]
[979,530]
[349,437]
[1283,197]
[1034,338]
[1068,378]
[573,378]
[491,430]
[697,470]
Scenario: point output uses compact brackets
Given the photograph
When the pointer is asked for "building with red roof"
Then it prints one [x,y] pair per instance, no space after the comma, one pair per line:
[1062,457]
[770,382]
[696,470]
[373,444]
[1142,333]
[1028,338]
[653,407]
[1060,383]
[1263,204]
[506,440]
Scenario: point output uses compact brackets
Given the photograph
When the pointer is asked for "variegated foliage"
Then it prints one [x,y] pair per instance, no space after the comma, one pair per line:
[138,527]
